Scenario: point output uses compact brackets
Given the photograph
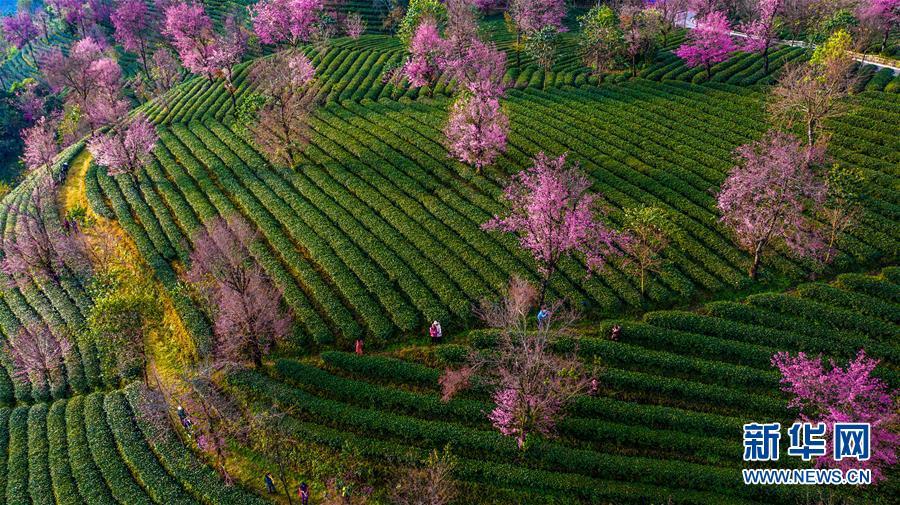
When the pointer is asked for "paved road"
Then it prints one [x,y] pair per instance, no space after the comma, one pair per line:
[687,20]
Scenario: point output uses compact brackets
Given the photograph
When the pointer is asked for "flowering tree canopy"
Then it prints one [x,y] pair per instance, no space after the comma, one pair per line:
[191,31]
[849,394]
[280,126]
[41,144]
[762,31]
[92,78]
[38,249]
[555,216]
[291,21]
[881,15]
[601,38]
[709,42]
[764,198]
[133,26]
[245,306]
[126,149]
[354,25]
[19,30]
[37,354]
[532,384]
[531,16]
[477,128]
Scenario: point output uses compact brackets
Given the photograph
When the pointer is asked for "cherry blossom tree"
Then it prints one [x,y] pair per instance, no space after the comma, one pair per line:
[126,149]
[848,394]
[709,42]
[291,21]
[191,32]
[418,12]
[881,15]
[73,13]
[38,249]
[646,232]
[281,125]
[556,216]
[20,30]
[765,197]
[41,145]
[229,51]
[354,25]
[762,31]
[476,130]
[38,356]
[811,93]
[532,384]
[245,306]
[93,81]
[30,100]
[134,27]
[425,52]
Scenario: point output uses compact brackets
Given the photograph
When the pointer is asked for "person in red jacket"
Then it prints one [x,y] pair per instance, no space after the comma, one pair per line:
[359,346]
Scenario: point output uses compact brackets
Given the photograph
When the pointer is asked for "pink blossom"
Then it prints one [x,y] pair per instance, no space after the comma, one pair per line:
[132,23]
[36,353]
[41,144]
[126,149]
[709,42]
[531,16]
[517,415]
[848,394]
[291,21]
[354,25]
[246,307]
[19,29]
[555,216]
[192,36]
[764,198]
[477,128]
[425,49]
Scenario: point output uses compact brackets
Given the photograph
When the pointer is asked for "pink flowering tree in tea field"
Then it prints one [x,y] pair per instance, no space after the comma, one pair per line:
[134,27]
[39,249]
[555,215]
[762,31]
[190,31]
[244,304]
[354,25]
[848,394]
[290,21]
[126,149]
[38,357]
[765,198]
[476,130]
[710,42]
[532,384]
[41,145]
[280,126]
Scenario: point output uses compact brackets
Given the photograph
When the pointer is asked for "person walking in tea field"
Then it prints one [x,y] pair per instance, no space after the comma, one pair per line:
[358,347]
[542,317]
[270,484]
[436,332]
[303,493]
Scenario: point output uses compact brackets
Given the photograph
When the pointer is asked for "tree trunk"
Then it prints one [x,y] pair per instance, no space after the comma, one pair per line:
[754,267]
[643,276]
[518,49]
[809,132]
[766,60]
[282,474]
[144,60]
